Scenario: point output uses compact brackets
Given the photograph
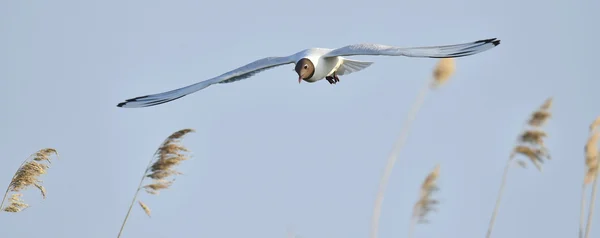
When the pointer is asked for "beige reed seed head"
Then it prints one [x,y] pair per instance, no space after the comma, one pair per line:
[28,175]
[539,117]
[531,140]
[16,203]
[168,155]
[145,208]
[425,203]
[158,185]
[595,125]
[591,152]
[443,70]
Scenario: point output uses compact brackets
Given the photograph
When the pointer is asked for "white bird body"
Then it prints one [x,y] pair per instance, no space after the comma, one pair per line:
[315,64]
[323,66]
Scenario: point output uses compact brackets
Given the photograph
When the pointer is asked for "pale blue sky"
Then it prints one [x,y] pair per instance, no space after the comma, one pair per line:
[271,154]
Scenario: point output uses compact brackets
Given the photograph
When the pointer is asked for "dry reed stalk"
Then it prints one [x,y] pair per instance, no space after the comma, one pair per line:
[531,145]
[588,226]
[425,203]
[582,211]
[28,175]
[441,73]
[169,154]
[591,174]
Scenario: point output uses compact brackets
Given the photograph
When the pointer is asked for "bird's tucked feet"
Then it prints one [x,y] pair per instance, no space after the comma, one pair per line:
[332,79]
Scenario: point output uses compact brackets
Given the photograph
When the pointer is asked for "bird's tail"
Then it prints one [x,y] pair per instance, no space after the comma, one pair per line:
[160,98]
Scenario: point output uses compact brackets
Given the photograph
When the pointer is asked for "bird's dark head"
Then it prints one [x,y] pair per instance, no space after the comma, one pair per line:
[305,69]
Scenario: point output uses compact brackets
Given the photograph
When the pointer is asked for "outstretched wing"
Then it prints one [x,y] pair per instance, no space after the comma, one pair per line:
[240,73]
[443,51]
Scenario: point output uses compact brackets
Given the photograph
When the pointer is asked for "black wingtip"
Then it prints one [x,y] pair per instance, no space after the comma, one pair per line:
[136,101]
[131,100]
[494,41]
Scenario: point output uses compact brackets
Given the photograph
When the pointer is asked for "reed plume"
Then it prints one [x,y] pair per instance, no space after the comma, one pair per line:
[530,144]
[591,174]
[28,175]
[168,155]
[441,73]
[426,203]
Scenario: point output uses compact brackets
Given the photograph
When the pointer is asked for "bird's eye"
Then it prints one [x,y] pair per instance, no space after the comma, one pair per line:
[305,66]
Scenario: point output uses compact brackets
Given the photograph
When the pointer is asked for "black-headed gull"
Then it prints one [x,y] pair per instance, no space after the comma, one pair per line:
[316,64]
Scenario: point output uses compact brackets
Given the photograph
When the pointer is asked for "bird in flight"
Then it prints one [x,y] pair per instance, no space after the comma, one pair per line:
[315,64]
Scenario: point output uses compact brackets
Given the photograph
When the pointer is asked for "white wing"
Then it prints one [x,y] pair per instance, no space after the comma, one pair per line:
[349,66]
[240,73]
[444,51]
